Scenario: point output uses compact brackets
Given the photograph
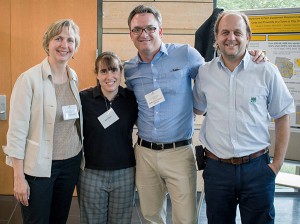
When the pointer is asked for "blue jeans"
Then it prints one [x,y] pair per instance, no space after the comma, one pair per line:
[50,198]
[250,185]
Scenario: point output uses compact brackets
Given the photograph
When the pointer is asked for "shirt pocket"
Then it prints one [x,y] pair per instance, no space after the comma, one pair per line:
[32,154]
[175,81]
[251,103]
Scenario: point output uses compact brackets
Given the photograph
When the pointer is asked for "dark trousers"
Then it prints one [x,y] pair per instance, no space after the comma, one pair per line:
[50,198]
[250,185]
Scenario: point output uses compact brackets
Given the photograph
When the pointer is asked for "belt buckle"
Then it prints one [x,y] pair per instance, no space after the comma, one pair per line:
[157,146]
[235,161]
[160,146]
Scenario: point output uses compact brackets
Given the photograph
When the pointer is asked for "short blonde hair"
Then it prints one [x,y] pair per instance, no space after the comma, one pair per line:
[55,28]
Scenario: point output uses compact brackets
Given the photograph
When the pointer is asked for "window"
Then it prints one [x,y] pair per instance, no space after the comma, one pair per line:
[257,4]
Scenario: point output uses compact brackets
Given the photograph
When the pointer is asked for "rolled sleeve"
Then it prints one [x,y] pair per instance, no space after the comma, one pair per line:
[19,117]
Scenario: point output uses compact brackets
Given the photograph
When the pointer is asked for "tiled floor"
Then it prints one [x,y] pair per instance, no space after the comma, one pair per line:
[287,210]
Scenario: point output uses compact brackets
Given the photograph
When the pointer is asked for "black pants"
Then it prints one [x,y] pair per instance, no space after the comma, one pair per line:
[50,198]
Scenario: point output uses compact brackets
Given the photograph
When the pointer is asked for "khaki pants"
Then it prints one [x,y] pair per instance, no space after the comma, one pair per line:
[172,171]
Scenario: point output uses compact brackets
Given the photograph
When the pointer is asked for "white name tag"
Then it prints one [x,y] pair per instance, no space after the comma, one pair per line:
[108,118]
[155,97]
[70,112]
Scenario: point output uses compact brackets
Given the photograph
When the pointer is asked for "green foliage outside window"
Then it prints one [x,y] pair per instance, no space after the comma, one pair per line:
[256,4]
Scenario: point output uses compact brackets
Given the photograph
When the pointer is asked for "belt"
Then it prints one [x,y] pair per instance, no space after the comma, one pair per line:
[162,146]
[237,160]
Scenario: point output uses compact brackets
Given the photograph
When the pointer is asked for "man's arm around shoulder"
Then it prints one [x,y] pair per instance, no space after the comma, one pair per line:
[198,112]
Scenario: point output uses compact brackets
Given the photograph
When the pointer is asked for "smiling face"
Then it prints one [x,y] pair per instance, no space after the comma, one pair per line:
[109,76]
[232,37]
[62,46]
[147,43]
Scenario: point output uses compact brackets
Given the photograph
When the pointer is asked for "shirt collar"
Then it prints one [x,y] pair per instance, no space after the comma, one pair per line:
[97,91]
[243,64]
[162,50]
[46,71]
[247,59]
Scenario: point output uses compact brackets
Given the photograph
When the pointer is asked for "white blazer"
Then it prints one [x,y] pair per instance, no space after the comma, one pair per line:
[32,116]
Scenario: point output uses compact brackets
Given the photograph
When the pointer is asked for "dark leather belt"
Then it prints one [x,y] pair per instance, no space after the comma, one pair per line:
[237,160]
[162,146]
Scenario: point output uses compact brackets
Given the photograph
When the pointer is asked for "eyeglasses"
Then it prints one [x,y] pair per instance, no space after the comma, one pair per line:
[139,30]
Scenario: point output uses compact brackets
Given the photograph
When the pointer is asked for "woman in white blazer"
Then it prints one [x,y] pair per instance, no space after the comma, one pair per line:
[44,139]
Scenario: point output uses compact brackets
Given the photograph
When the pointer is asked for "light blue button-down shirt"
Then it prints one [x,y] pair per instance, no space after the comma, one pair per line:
[172,70]
[239,105]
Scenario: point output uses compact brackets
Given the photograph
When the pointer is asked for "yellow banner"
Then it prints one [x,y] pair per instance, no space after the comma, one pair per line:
[281,23]
[258,38]
[284,37]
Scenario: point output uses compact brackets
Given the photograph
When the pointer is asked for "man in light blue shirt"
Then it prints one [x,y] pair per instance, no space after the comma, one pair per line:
[161,78]
[171,70]
[240,98]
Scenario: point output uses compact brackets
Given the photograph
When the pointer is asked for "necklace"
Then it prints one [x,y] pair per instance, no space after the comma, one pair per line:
[110,103]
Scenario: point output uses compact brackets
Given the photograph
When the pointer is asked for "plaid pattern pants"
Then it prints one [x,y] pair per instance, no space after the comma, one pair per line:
[106,196]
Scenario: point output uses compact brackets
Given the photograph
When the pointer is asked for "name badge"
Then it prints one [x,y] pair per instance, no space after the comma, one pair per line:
[155,97]
[108,118]
[70,112]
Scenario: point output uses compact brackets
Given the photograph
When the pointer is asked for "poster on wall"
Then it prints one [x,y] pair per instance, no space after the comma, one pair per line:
[277,33]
